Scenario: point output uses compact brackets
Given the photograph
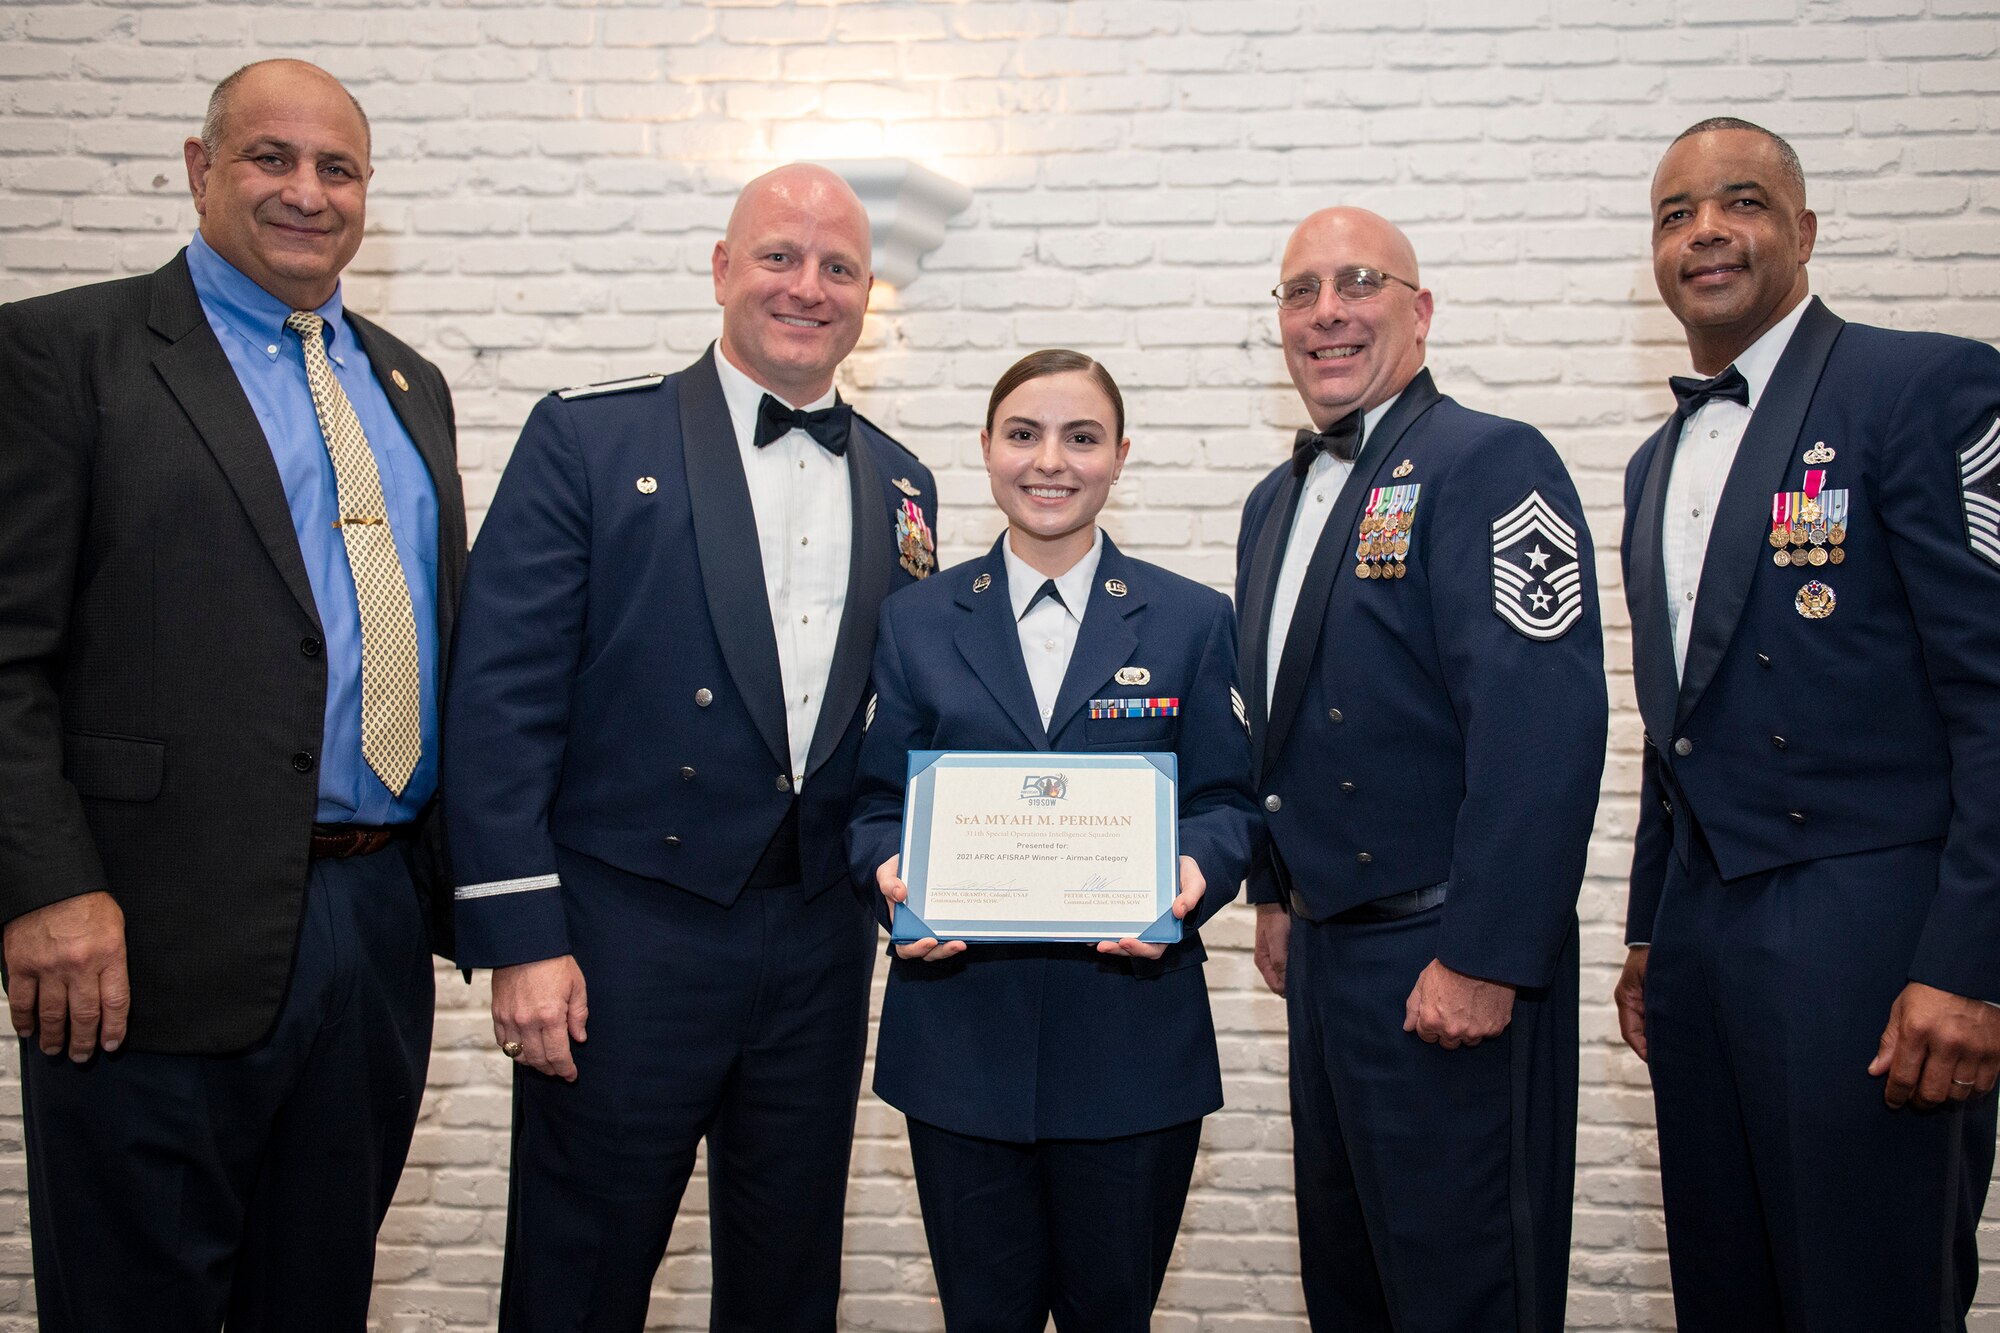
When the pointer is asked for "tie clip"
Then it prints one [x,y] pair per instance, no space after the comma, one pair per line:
[358,522]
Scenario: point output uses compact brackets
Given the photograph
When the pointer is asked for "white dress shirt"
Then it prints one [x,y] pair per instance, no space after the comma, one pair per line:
[801,497]
[1323,481]
[1701,463]
[1048,631]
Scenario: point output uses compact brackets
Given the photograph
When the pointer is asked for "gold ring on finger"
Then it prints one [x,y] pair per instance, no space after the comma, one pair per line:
[511,1049]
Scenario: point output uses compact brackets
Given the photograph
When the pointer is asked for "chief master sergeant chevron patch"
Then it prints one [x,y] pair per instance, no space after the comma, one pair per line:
[1537,580]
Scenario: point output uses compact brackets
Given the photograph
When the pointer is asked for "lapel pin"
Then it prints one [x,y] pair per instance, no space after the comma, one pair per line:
[396,376]
[1404,468]
[1818,454]
[903,484]
[982,583]
[647,485]
[1116,587]
[1133,676]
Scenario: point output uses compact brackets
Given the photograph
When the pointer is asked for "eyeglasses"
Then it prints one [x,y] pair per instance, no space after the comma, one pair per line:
[1353,284]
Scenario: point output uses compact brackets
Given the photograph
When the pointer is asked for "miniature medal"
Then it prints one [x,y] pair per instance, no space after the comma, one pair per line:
[917,553]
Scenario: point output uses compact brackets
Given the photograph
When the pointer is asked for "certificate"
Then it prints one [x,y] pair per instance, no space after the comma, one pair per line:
[1039,846]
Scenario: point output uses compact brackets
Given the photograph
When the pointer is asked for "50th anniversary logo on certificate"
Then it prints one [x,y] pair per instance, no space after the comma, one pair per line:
[1039,846]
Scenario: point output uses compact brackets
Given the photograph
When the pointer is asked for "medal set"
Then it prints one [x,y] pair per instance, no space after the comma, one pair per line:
[1385,532]
[917,552]
[1809,528]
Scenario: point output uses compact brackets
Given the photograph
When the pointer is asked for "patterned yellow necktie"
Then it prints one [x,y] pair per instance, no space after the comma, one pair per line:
[391,696]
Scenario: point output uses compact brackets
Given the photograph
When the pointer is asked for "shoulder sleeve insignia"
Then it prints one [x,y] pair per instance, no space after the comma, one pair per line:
[610,386]
[1979,483]
[1537,579]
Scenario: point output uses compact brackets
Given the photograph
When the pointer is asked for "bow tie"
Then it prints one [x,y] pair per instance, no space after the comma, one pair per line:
[1693,394]
[829,425]
[1342,439]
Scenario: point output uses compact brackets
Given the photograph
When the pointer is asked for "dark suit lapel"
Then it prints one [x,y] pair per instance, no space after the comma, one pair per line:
[430,430]
[198,373]
[1104,642]
[732,567]
[1330,557]
[990,643]
[1654,679]
[1265,559]
[871,556]
[1738,542]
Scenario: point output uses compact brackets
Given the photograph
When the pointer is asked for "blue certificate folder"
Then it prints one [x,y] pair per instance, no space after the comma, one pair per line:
[1044,788]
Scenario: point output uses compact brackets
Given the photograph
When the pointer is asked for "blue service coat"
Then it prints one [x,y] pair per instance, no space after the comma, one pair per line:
[615,688]
[1442,727]
[1038,1041]
[1791,738]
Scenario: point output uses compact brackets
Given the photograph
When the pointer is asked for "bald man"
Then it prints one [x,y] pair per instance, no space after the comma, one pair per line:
[1424,671]
[235,540]
[655,715]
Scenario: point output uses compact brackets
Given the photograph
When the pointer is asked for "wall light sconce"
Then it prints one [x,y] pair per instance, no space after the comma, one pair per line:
[908,206]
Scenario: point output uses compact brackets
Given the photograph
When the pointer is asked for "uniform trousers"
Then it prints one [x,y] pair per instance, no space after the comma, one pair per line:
[171,1192]
[1433,1186]
[1078,1228]
[1795,1199]
[744,1025]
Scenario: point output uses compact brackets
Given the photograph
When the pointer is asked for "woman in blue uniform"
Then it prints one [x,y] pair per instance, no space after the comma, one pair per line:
[1055,1091]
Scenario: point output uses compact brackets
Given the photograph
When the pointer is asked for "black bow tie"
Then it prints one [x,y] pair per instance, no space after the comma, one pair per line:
[1692,393]
[829,425]
[1342,439]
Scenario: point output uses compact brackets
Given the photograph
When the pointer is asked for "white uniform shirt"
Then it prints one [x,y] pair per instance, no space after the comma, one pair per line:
[801,497]
[1323,481]
[1048,632]
[1701,463]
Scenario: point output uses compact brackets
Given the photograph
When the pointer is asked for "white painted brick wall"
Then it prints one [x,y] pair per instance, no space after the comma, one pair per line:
[551,177]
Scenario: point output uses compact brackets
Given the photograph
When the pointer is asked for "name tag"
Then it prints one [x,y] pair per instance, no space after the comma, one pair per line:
[1105,708]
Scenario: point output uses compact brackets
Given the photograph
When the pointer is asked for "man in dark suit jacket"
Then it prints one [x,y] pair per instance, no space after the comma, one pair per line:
[1424,671]
[653,721]
[1814,578]
[209,843]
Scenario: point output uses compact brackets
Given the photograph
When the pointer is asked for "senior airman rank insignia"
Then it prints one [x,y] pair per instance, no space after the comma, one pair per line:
[917,553]
[1537,578]
[1979,482]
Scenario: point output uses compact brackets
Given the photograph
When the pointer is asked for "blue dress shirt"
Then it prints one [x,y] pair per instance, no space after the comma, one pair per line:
[250,324]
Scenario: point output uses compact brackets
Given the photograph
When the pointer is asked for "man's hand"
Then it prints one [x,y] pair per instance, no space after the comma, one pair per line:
[925,950]
[541,1005]
[1938,1048]
[66,970]
[1453,1010]
[1193,886]
[1274,942]
[1630,997]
